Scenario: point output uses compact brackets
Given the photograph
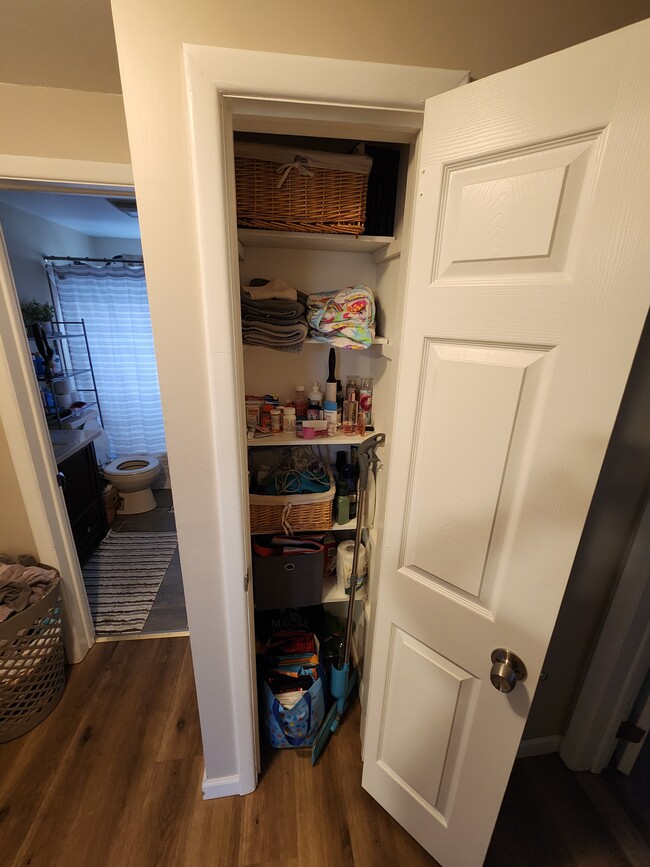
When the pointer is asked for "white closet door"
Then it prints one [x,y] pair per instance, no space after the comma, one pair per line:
[527,291]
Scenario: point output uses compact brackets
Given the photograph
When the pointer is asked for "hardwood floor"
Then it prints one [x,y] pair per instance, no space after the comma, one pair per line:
[113,777]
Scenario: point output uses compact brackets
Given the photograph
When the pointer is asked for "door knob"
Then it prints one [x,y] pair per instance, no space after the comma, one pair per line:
[507,670]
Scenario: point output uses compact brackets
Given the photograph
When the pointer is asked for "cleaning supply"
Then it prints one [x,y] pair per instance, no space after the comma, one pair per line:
[331,382]
[342,502]
[341,681]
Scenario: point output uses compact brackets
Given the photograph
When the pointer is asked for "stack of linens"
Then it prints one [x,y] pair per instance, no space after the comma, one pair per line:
[273,315]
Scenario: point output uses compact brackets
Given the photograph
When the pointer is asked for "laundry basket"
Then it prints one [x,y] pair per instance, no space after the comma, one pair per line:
[32,673]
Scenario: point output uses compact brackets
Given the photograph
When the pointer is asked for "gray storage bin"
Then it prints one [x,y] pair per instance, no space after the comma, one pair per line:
[288,582]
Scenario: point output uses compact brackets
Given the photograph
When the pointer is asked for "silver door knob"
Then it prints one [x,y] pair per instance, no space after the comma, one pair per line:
[507,670]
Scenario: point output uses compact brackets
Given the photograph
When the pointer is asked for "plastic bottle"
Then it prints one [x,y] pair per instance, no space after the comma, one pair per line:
[315,406]
[289,419]
[300,401]
[276,420]
[330,415]
[342,502]
[365,399]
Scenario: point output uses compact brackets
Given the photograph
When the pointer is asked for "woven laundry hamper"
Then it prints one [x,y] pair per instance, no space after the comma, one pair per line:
[297,190]
[32,673]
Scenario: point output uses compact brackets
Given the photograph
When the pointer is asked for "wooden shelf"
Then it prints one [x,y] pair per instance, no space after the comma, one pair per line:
[290,439]
[332,593]
[313,241]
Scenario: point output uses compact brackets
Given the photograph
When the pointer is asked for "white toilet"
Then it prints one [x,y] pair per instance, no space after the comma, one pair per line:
[133,475]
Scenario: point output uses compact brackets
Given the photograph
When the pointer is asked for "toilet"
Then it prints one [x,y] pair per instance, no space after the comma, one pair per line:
[132,476]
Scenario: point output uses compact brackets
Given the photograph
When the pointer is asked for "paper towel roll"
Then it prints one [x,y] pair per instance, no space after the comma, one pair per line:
[344,556]
[66,400]
[65,386]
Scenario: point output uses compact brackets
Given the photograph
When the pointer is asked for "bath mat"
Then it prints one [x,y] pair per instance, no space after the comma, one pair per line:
[123,576]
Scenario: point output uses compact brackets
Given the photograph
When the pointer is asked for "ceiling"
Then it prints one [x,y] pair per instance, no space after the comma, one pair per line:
[91,215]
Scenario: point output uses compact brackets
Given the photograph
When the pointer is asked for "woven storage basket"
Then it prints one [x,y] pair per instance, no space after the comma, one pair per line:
[32,673]
[110,498]
[295,190]
[293,513]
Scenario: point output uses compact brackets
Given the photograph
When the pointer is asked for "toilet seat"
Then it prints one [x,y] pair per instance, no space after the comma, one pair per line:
[131,465]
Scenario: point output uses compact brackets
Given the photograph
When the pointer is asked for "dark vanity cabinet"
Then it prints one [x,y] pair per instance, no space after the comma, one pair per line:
[82,492]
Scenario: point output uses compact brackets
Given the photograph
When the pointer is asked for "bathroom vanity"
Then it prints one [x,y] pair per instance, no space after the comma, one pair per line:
[82,490]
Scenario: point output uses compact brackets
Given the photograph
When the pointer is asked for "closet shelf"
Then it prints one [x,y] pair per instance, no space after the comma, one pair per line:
[313,241]
[332,593]
[290,439]
[351,525]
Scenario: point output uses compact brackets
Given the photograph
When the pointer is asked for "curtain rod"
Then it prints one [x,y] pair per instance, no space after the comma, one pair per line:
[136,260]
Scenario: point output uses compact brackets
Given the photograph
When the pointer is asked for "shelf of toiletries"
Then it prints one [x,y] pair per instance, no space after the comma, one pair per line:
[289,438]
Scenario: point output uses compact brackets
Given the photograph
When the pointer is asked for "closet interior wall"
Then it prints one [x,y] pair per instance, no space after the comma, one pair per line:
[310,270]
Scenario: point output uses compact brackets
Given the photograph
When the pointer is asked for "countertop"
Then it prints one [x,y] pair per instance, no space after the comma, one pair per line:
[68,442]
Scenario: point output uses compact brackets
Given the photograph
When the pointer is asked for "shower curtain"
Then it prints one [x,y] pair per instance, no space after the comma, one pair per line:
[112,300]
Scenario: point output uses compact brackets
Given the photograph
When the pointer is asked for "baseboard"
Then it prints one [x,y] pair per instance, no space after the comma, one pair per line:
[221,787]
[539,746]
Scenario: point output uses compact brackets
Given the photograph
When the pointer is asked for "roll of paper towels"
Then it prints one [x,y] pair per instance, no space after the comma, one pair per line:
[66,400]
[344,557]
[65,386]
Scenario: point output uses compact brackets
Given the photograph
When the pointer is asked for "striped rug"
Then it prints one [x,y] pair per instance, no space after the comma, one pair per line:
[123,576]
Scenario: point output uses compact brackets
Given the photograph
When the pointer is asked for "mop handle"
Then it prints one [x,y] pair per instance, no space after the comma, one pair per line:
[367,456]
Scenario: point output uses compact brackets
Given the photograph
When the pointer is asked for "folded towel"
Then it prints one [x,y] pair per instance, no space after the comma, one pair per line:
[345,318]
[271,289]
[277,323]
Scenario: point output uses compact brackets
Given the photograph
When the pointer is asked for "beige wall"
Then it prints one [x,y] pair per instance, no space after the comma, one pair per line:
[69,44]
[62,124]
[15,531]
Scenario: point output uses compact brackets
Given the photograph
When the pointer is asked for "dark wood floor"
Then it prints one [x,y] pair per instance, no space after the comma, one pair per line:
[113,777]
[168,610]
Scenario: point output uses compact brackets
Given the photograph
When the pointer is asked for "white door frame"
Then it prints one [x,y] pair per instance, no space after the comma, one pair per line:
[335,91]
[618,665]
[22,416]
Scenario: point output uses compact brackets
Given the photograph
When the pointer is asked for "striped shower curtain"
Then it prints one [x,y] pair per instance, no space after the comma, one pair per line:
[112,301]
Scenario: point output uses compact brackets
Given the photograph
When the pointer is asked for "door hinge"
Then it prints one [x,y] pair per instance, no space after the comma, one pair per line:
[247,579]
[628,731]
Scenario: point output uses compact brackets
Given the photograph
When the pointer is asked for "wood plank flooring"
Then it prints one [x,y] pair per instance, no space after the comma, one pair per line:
[113,778]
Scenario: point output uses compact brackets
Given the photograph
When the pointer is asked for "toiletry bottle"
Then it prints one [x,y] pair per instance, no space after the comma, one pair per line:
[300,401]
[342,503]
[365,399]
[339,403]
[330,414]
[289,419]
[315,405]
[348,475]
[276,420]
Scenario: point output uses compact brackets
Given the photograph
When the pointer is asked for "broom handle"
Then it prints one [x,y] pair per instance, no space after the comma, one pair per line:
[367,456]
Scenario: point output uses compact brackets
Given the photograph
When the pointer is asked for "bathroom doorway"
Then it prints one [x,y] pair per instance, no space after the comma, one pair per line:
[88,228]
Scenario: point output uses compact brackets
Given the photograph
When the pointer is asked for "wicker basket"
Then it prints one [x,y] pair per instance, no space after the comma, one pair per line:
[294,513]
[110,498]
[32,673]
[295,190]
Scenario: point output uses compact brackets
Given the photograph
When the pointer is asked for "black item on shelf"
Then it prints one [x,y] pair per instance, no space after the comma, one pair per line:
[382,190]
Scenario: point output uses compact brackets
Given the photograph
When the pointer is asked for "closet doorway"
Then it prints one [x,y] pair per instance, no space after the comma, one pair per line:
[80,253]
